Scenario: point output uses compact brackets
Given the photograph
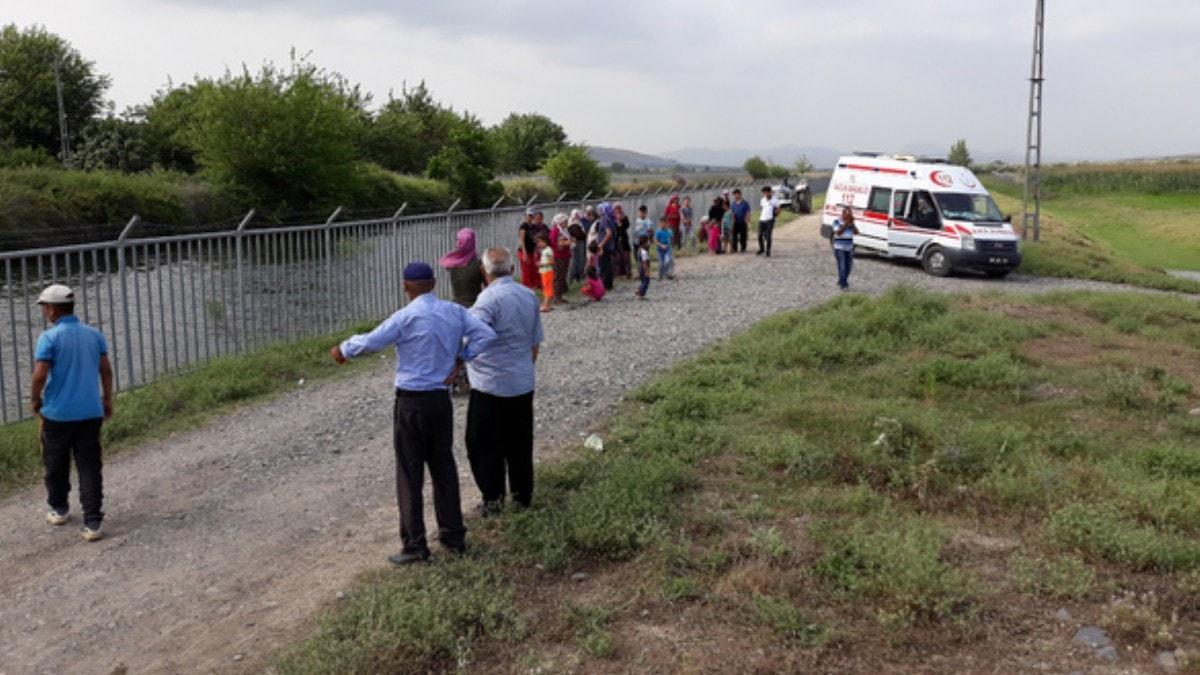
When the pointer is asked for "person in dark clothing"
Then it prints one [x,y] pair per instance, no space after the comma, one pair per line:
[606,236]
[621,265]
[716,214]
[428,335]
[71,392]
[741,223]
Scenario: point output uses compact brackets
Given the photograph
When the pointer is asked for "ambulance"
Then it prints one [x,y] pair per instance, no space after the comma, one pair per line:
[926,210]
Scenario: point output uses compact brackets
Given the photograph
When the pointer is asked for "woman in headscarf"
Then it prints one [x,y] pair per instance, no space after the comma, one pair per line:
[621,256]
[606,236]
[466,271]
[579,246]
[673,217]
[560,242]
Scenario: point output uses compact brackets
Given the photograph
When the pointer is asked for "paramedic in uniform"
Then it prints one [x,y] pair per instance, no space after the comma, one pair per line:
[428,335]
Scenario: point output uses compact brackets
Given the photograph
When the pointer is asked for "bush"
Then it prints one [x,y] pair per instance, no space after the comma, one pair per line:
[26,158]
[1104,531]
[574,172]
[376,187]
[281,139]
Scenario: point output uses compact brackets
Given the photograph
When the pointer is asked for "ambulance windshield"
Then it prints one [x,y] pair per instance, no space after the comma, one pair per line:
[975,208]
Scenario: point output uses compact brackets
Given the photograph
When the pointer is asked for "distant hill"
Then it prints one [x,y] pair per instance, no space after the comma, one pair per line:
[820,156]
[631,159]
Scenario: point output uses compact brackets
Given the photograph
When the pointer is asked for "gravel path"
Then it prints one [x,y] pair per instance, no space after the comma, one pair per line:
[223,542]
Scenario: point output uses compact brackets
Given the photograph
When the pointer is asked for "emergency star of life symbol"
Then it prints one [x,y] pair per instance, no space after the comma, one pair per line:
[941,178]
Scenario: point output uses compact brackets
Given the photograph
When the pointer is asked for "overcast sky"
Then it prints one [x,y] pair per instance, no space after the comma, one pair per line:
[1123,78]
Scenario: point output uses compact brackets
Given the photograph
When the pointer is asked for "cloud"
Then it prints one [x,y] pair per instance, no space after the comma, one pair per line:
[654,75]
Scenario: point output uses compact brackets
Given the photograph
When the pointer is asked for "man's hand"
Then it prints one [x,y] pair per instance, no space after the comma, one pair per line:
[36,406]
[108,408]
[454,374]
[336,353]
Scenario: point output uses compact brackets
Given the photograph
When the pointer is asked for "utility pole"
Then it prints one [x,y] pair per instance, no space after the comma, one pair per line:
[62,113]
[1033,130]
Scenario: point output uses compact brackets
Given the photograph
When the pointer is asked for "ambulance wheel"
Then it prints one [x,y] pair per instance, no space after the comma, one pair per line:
[805,203]
[936,262]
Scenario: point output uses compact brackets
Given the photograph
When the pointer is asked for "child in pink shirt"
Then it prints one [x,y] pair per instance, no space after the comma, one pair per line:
[593,286]
[714,234]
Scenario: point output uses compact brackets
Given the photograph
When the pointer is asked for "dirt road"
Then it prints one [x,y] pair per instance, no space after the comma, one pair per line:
[224,542]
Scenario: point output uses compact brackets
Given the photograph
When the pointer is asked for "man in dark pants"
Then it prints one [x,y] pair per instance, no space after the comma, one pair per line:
[500,416]
[72,393]
[606,236]
[428,336]
[741,223]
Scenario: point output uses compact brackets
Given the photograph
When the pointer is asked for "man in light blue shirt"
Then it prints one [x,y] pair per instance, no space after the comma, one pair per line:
[72,393]
[500,414]
[428,335]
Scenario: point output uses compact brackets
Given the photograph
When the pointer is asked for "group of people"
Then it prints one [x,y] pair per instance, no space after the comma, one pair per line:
[487,340]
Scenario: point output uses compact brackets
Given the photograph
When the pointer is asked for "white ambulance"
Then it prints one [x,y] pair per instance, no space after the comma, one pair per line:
[926,210]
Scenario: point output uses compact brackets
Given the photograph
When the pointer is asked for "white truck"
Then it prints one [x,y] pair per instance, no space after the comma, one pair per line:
[797,197]
[928,210]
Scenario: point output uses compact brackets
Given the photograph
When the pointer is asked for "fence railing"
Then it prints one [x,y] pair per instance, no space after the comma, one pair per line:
[168,303]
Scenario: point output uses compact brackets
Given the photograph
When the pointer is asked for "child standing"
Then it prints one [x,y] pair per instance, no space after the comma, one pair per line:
[593,286]
[713,234]
[685,223]
[664,237]
[546,269]
[727,231]
[643,226]
[643,254]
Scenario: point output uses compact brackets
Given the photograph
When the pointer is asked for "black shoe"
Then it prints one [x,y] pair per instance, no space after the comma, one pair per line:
[409,558]
[759,253]
[456,549]
[489,509]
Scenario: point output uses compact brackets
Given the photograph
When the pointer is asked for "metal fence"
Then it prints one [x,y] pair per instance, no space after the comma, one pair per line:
[169,303]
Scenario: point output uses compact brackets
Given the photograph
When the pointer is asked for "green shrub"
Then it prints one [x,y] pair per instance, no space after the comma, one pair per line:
[402,619]
[790,622]
[1102,530]
[1065,577]
[26,158]
[591,630]
[573,171]
[897,562]
[768,543]
[376,187]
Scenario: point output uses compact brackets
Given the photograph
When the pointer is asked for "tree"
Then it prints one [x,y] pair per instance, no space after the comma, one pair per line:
[116,143]
[802,165]
[959,154]
[171,122]
[618,167]
[525,142]
[28,96]
[467,164]
[409,131]
[757,167]
[281,139]
[779,171]
[574,171]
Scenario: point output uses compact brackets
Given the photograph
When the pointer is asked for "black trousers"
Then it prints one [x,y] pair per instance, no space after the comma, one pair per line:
[606,269]
[424,435]
[766,230]
[741,232]
[61,441]
[500,442]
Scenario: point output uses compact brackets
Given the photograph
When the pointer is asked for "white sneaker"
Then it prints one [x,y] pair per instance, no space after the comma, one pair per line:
[91,534]
[55,518]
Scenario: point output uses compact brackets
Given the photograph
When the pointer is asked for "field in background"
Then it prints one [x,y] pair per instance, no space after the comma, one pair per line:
[919,481]
[1124,223]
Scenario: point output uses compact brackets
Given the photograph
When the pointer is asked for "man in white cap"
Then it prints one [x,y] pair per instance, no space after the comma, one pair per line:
[72,393]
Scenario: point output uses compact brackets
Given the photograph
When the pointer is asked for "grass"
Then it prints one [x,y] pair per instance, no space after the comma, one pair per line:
[1128,234]
[182,402]
[915,470]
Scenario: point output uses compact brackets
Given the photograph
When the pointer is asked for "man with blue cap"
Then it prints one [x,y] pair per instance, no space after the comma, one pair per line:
[429,336]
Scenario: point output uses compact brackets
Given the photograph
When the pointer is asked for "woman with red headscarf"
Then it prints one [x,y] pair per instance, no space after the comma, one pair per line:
[673,216]
[466,271]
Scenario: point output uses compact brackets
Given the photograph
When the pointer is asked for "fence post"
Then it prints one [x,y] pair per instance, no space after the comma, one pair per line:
[585,198]
[241,288]
[121,271]
[492,217]
[397,253]
[328,243]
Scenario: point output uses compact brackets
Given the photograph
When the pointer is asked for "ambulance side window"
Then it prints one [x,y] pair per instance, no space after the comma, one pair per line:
[900,203]
[880,197]
[924,213]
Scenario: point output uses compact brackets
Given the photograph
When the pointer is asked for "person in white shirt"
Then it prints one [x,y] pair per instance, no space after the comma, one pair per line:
[768,209]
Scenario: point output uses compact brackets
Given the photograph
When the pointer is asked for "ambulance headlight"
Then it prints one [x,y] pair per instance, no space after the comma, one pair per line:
[968,242]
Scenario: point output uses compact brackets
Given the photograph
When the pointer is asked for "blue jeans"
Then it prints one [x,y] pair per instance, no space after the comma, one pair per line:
[845,262]
[643,284]
[666,263]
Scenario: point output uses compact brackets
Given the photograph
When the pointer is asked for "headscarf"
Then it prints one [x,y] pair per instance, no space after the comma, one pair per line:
[464,250]
[559,219]
[576,217]
[610,214]
[674,199]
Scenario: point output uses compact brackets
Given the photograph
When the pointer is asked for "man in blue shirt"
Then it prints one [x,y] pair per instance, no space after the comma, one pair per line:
[428,335]
[70,372]
[741,223]
[500,415]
